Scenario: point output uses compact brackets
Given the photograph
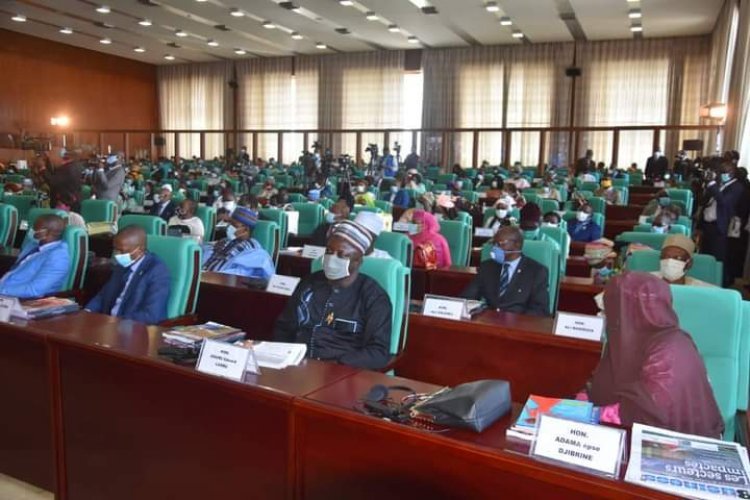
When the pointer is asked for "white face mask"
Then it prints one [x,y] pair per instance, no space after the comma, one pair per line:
[334,267]
[582,216]
[659,229]
[360,189]
[231,232]
[501,213]
[672,269]
[550,224]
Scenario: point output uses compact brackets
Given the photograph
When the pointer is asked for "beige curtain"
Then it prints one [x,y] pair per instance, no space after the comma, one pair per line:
[278,94]
[738,127]
[195,97]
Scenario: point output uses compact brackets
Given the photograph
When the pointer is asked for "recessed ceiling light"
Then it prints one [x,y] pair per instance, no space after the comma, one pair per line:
[144,22]
[296,36]
[105,41]
[635,14]
[269,25]
[213,43]
[393,28]
[236,12]
[104,9]
[140,50]
[240,52]
[169,57]
[19,18]
[413,39]
[371,16]
[505,21]
[636,29]
[492,7]
[633,1]
[66,31]
[180,33]
[346,3]
[321,46]
[517,34]
[201,1]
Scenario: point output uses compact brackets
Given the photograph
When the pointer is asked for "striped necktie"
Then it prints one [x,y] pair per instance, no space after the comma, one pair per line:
[504,279]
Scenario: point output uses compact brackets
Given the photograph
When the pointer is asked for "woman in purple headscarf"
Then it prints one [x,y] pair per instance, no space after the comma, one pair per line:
[651,372]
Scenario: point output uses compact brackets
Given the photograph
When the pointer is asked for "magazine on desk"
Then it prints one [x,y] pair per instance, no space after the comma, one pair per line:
[196,334]
[686,465]
[276,355]
[569,409]
[43,308]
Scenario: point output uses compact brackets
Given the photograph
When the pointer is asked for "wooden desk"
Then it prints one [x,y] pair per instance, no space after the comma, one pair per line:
[8,257]
[226,299]
[101,244]
[136,426]
[624,212]
[293,265]
[498,345]
[345,454]
[26,442]
[613,228]
[577,295]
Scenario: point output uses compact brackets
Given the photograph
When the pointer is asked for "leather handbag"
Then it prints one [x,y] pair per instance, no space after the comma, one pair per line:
[474,405]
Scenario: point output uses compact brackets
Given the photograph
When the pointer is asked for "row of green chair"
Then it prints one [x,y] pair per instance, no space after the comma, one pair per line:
[705,267]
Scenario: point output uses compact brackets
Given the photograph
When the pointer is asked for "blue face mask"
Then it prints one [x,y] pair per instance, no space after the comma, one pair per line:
[498,254]
[664,201]
[659,229]
[231,230]
[725,178]
[330,218]
[123,259]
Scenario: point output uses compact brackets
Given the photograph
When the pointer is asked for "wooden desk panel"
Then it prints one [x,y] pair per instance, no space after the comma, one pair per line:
[140,427]
[25,419]
[293,265]
[101,245]
[613,228]
[624,212]
[395,461]
[498,345]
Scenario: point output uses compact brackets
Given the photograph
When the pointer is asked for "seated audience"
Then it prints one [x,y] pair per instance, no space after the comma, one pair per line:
[239,253]
[163,206]
[549,191]
[225,203]
[650,372]
[339,211]
[584,228]
[510,281]
[362,196]
[374,224]
[42,265]
[551,219]
[431,249]
[342,315]
[608,192]
[676,260]
[185,216]
[500,217]
[399,196]
[531,223]
[661,202]
[140,285]
[74,219]
[662,223]
[268,190]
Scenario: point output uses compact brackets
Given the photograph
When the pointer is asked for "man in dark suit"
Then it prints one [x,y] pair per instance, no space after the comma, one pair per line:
[510,281]
[140,285]
[719,213]
[165,207]
[585,164]
[656,166]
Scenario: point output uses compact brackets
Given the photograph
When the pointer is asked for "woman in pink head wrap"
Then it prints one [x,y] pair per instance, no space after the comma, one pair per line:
[651,372]
[430,233]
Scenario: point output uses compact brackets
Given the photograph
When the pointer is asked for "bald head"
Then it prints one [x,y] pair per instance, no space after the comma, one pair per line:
[48,228]
[130,240]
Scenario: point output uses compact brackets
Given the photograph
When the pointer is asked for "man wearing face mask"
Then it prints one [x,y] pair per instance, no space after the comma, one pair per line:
[662,223]
[362,196]
[662,202]
[43,264]
[339,211]
[676,260]
[608,192]
[163,206]
[239,253]
[656,166]
[399,196]
[510,281]
[108,183]
[342,315]
[140,284]
[500,217]
[583,228]
[531,223]
[185,216]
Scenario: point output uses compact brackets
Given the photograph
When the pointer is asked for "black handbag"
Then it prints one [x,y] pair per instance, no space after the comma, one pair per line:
[474,405]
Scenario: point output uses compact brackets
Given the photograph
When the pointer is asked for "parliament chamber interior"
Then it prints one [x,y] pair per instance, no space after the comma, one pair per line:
[353,249]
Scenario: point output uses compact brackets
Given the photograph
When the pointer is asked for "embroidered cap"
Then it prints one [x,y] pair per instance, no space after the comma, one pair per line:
[370,220]
[245,216]
[356,234]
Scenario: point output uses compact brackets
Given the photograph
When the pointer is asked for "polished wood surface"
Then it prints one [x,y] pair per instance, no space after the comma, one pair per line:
[397,461]
[293,265]
[508,346]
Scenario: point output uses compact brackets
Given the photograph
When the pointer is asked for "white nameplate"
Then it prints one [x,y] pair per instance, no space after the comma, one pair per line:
[594,448]
[282,285]
[482,195]
[313,252]
[579,326]
[222,360]
[485,232]
[443,308]
[6,307]
[24,225]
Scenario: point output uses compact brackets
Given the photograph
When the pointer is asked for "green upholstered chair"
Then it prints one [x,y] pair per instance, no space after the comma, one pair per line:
[673,229]
[385,206]
[682,219]
[652,240]
[183,258]
[636,179]
[458,235]
[395,279]
[743,392]
[281,219]
[598,218]
[268,235]
[99,211]
[152,224]
[684,196]
[705,267]
[545,253]
[718,338]
[561,236]
[465,217]
[297,198]
[327,203]
[364,208]
[78,247]
[432,173]
[36,212]
[311,215]
[398,245]
[588,186]
[207,215]
[8,224]
[23,203]
[445,179]
[547,205]
[470,196]
[15,178]
[85,192]
[624,194]
[621,181]
[598,204]
[139,196]
[532,197]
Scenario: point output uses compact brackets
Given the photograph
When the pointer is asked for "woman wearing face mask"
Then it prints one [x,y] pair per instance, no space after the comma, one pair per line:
[342,316]
[428,233]
[608,192]
[583,228]
[362,196]
[661,224]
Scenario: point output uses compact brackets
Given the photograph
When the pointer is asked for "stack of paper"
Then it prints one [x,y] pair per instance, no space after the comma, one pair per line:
[43,308]
[276,355]
[569,409]
[196,334]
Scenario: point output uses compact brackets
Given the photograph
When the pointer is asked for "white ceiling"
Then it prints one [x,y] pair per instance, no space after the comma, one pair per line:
[458,23]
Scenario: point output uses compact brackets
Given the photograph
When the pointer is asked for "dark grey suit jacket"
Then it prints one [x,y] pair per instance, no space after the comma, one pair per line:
[527,292]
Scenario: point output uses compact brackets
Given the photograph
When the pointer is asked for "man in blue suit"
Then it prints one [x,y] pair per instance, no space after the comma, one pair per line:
[140,285]
[43,264]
